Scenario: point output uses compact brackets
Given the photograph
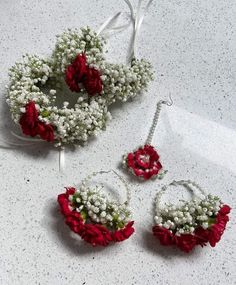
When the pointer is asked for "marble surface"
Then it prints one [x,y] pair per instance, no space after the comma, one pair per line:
[192,45]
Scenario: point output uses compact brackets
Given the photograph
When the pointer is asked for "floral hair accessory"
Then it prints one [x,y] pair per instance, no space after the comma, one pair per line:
[90,214]
[197,222]
[77,64]
[144,161]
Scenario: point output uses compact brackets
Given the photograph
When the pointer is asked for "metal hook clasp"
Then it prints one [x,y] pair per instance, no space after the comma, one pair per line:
[168,103]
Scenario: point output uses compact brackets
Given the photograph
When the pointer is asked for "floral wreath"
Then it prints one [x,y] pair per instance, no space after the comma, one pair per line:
[77,60]
[197,222]
[93,217]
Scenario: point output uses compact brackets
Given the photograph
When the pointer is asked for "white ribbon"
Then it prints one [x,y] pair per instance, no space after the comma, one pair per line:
[108,25]
[61,159]
[26,141]
[32,142]
[137,23]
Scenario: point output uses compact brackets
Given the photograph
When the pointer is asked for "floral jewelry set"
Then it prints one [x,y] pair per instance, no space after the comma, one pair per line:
[78,62]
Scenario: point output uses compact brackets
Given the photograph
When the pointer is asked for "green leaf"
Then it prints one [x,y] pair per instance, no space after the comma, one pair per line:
[83,215]
[45,113]
[211,221]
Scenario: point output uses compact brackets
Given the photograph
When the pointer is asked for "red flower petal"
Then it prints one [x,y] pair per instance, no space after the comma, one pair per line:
[45,131]
[92,81]
[225,210]
[202,236]
[29,120]
[70,191]
[164,235]
[124,233]
[75,72]
[75,222]
[64,204]
[186,242]
[96,234]
[31,125]
[130,160]
[217,230]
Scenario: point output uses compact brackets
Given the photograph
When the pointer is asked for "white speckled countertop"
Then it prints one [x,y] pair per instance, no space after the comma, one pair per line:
[192,45]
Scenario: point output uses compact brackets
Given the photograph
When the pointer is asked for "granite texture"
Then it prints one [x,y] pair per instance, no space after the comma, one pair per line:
[192,45]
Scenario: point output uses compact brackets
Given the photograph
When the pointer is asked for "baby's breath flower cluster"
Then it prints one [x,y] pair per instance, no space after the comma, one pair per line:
[38,80]
[26,77]
[185,219]
[93,205]
[120,81]
[73,42]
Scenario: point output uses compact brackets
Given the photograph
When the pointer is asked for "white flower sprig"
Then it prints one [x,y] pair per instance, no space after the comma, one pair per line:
[92,203]
[187,217]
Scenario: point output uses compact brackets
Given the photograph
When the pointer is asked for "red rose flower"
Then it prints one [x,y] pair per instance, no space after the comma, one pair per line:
[92,82]
[96,234]
[75,222]
[144,162]
[186,242]
[124,233]
[164,235]
[29,120]
[31,126]
[75,72]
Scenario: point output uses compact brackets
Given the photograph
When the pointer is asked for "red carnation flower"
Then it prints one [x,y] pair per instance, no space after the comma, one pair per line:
[124,233]
[96,234]
[75,222]
[31,126]
[186,242]
[92,82]
[144,162]
[164,235]
[75,72]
